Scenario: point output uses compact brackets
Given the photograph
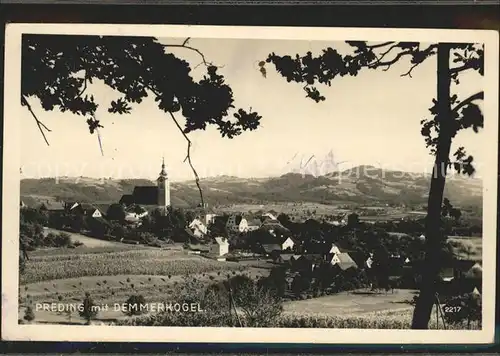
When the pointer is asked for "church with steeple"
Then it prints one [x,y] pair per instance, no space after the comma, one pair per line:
[151,196]
[163,186]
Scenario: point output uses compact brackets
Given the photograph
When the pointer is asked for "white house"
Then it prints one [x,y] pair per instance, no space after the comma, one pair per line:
[96,214]
[287,244]
[344,261]
[209,219]
[334,260]
[236,224]
[86,209]
[334,249]
[369,261]
[134,213]
[198,228]
[220,247]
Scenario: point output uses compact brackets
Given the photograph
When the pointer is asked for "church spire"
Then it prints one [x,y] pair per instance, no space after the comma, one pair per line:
[163,172]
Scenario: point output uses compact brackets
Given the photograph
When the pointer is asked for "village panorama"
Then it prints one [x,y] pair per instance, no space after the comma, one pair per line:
[312,245]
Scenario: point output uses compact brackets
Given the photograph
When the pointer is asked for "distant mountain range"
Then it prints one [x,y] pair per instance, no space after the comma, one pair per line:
[363,185]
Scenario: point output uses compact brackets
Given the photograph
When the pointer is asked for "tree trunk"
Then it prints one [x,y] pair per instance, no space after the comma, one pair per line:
[433,236]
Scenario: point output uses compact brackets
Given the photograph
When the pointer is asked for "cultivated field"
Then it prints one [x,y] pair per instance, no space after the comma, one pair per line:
[134,262]
[111,273]
[303,211]
[351,303]
[467,247]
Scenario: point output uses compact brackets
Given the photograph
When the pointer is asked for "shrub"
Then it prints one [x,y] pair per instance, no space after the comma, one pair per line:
[63,239]
[29,314]
[89,310]
[133,305]
[300,284]
[464,308]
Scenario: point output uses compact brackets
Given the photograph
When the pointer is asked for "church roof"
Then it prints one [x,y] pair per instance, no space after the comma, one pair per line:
[145,195]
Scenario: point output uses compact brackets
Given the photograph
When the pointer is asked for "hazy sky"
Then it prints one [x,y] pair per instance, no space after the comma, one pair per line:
[370,119]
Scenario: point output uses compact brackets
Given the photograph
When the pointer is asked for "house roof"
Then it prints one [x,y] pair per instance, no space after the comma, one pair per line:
[254,222]
[346,261]
[54,205]
[359,257]
[275,226]
[476,272]
[196,222]
[103,207]
[289,257]
[271,247]
[399,235]
[285,238]
[88,207]
[221,241]
[270,216]
[311,257]
[131,218]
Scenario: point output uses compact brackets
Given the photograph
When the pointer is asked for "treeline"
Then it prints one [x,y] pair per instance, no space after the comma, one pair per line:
[154,229]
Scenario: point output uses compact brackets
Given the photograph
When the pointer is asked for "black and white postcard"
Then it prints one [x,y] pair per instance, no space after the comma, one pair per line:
[249,184]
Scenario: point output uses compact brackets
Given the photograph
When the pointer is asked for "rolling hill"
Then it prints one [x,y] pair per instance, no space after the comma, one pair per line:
[363,185]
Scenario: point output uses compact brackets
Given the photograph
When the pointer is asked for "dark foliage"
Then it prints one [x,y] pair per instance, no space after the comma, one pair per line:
[135,305]
[89,309]
[449,115]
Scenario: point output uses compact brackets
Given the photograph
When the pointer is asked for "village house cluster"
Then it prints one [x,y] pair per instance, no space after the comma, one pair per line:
[247,236]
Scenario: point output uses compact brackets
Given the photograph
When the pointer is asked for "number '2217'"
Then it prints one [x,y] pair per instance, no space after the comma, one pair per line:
[455,309]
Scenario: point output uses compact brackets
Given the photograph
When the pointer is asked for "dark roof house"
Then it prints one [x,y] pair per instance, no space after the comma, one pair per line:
[103,207]
[254,222]
[54,206]
[268,248]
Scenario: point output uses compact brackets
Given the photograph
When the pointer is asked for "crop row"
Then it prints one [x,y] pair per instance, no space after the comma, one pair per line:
[111,264]
[111,254]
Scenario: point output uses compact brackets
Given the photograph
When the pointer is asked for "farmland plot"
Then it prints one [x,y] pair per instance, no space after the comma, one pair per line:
[134,262]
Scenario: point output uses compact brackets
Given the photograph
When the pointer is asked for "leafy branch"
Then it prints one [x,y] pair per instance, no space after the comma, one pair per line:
[132,66]
[188,158]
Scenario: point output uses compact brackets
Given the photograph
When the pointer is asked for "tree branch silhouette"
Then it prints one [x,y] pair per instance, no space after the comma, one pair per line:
[185,46]
[41,125]
[469,100]
[133,67]
[188,158]
[438,131]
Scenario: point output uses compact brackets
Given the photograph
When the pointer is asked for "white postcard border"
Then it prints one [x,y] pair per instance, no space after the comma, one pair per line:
[11,330]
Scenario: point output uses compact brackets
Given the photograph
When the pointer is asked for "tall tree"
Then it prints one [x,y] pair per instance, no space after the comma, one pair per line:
[449,115]
[57,70]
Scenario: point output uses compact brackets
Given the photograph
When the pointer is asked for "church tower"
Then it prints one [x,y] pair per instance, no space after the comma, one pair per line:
[163,188]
